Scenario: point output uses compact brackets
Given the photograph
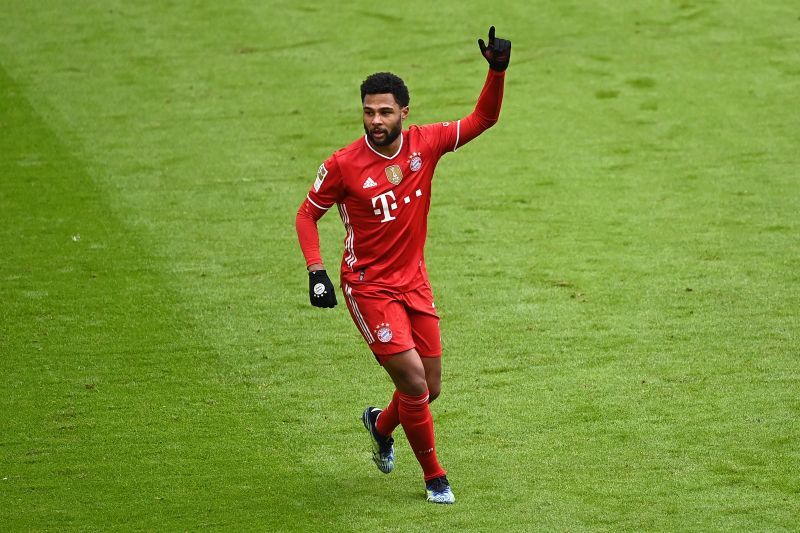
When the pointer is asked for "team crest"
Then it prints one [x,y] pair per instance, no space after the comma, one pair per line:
[384,333]
[415,161]
[394,174]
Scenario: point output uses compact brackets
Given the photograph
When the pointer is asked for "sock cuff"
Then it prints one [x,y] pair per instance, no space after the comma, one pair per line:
[413,401]
[441,472]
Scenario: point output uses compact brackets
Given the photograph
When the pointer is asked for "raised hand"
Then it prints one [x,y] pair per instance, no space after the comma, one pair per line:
[497,52]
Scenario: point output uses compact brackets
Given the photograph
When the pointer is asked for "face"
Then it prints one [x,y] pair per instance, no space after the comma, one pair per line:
[383,118]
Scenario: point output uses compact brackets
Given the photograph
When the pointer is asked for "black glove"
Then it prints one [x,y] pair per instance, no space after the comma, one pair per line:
[498,53]
[320,289]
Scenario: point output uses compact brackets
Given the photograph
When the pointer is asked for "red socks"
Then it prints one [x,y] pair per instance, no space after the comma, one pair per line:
[389,418]
[415,417]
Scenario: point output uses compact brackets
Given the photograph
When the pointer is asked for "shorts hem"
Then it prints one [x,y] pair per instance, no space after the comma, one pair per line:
[391,353]
[383,357]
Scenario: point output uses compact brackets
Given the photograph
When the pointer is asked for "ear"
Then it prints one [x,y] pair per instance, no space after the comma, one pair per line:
[404,113]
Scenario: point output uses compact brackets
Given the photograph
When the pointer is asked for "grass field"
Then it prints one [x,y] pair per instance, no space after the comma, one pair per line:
[617,265]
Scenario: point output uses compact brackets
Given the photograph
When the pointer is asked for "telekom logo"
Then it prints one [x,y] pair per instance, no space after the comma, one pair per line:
[385,203]
[385,208]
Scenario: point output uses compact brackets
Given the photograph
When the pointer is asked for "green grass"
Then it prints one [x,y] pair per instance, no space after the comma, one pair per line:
[617,265]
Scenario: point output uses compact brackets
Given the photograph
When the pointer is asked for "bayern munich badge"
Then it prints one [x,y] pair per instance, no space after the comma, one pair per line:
[415,161]
[394,174]
[384,333]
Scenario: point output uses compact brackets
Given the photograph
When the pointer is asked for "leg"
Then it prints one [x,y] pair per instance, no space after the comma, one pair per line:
[433,375]
[384,322]
[427,335]
[389,418]
[408,373]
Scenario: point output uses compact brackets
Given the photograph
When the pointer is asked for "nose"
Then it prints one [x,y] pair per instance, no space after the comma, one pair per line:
[377,120]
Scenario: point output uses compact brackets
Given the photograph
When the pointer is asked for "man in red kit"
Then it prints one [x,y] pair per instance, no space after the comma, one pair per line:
[381,184]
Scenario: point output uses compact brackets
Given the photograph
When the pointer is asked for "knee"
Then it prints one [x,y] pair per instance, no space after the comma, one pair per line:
[413,385]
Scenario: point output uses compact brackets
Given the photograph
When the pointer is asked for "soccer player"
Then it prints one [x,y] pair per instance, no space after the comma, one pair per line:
[381,184]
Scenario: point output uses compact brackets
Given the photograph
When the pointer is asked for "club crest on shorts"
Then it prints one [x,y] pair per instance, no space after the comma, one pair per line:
[384,332]
[415,161]
[394,174]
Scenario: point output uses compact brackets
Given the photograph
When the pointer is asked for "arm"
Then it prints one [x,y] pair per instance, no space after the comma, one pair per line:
[320,287]
[307,233]
[487,110]
[321,197]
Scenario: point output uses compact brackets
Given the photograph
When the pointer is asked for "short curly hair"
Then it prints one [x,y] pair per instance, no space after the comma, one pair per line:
[383,83]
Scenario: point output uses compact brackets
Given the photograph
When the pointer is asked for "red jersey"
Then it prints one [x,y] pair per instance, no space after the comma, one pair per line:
[384,200]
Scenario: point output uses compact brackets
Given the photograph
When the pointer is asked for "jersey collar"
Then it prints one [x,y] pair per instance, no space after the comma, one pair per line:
[380,154]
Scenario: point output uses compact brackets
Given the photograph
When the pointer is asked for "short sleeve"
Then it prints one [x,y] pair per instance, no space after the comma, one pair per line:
[327,189]
[442,136]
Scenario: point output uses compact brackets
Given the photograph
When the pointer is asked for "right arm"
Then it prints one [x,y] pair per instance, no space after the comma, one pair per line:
[322,196]
[308,234]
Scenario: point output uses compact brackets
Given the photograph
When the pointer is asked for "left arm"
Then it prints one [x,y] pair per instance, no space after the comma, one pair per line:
[487,110]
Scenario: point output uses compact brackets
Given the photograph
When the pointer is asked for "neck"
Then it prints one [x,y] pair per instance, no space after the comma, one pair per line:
[390,149]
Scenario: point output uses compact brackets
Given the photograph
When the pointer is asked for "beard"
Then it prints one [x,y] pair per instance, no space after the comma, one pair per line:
[388,138]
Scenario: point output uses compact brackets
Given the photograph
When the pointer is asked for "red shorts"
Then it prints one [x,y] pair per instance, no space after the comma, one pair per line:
[393,322]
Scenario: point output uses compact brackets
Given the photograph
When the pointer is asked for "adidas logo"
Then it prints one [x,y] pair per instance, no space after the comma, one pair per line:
[369,183]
